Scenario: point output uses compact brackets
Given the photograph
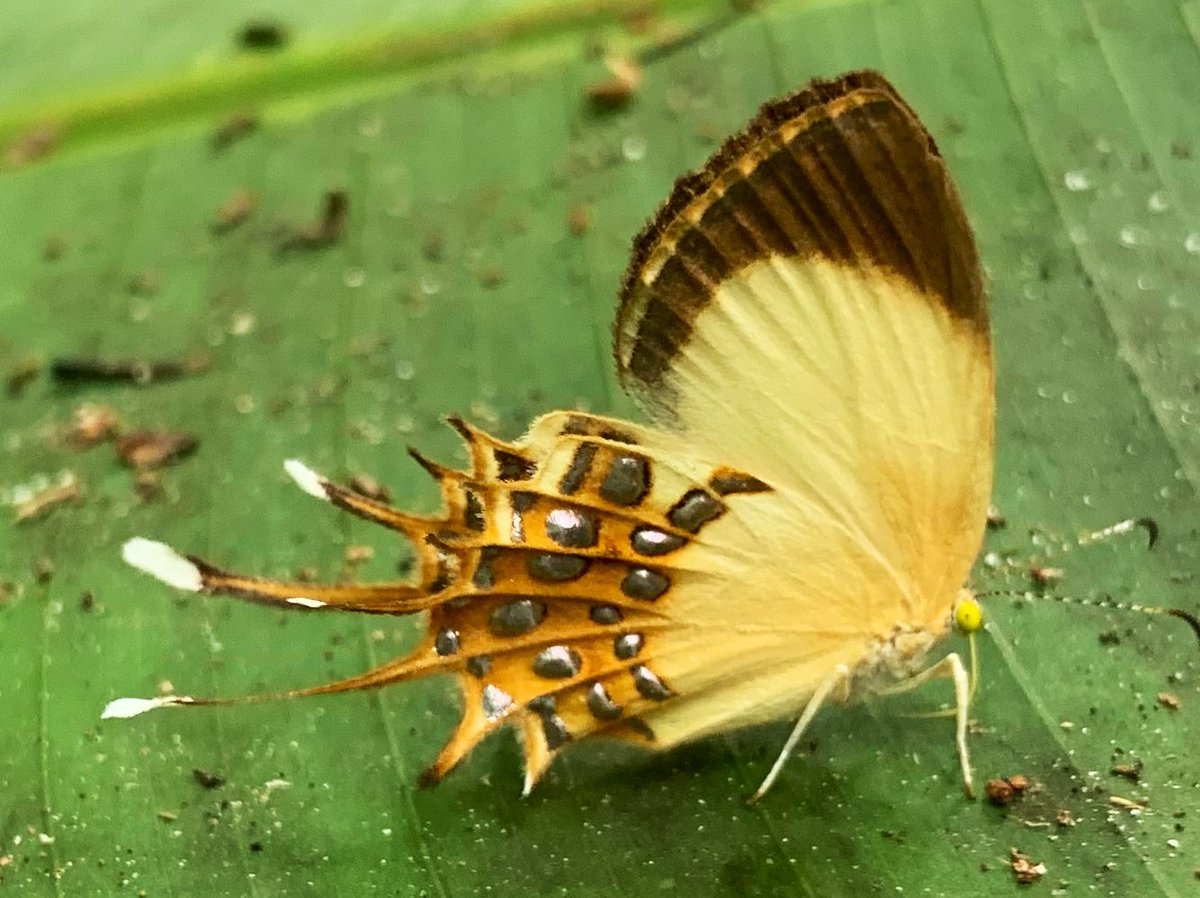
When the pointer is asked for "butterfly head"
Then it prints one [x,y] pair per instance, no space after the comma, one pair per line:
[967,613]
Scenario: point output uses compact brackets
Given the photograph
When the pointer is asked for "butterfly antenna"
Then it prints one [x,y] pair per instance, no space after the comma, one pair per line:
[1120,529]
[1107,602]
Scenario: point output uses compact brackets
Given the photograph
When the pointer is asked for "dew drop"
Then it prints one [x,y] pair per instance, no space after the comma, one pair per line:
[1130,236]
[633,148]
[1077,180]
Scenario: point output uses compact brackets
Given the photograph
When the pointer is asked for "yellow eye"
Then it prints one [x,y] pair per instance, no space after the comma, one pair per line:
[968,616]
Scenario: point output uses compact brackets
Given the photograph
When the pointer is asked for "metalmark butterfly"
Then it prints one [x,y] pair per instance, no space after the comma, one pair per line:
[804,324]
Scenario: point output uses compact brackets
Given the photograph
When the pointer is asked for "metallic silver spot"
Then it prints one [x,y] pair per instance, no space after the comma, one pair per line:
[556,731]
[555,566]
[479,666]
[644,583]
[516,618]
[571,529]
[694,510]
[627,645]
[652,541]
[600,703]
[446,642]
[627,480]
[605,614]
[496,702]
[557,662]
[648,683]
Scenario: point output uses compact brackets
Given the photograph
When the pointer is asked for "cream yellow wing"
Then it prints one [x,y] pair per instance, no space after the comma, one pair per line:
[809,308]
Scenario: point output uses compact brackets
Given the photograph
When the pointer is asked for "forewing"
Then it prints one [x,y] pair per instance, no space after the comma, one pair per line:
[809,307]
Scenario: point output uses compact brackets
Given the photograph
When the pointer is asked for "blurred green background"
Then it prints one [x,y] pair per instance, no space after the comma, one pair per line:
[491,208]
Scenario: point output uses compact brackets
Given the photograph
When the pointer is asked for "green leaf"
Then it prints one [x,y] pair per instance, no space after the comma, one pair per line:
[465,143]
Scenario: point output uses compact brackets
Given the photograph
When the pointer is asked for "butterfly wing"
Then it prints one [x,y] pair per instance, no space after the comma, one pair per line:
[809,308]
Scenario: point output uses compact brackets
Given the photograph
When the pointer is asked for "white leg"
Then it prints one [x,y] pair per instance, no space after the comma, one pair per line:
[950,667]
[838,678]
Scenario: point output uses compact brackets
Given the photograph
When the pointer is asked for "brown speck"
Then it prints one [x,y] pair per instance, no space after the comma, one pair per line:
[263,35]
[256,846]
[1181,149]
[1004,791]
[81,369]
[995,519]
[168,816]
[578,220]
[22,375]
[232,129]
[308,574]
[1110,637]
[207,778]
[1169,700]
[239,206]
[328,228]
[366,485]
[68,489]
[358,554]
[1043,576]
[999,792]
[7,590]
[1064,818]
[34,144]
[433,247]
[1025,870]
[87,601]
[54,248]
[146,282]
[146,449]
[91,424]
[42,569]
[1132,772]
[491,276]
[1019,782]
[1126,804]
[625,78]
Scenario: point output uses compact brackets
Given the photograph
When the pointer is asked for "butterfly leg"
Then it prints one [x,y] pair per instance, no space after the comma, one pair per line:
[950,667]
[839,677]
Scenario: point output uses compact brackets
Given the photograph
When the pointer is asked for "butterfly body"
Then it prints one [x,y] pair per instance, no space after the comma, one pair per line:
[803,323]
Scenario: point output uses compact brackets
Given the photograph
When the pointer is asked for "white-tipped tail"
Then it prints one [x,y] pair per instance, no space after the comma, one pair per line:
[306,478]
[161,561]
[132,707]
[305,602]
